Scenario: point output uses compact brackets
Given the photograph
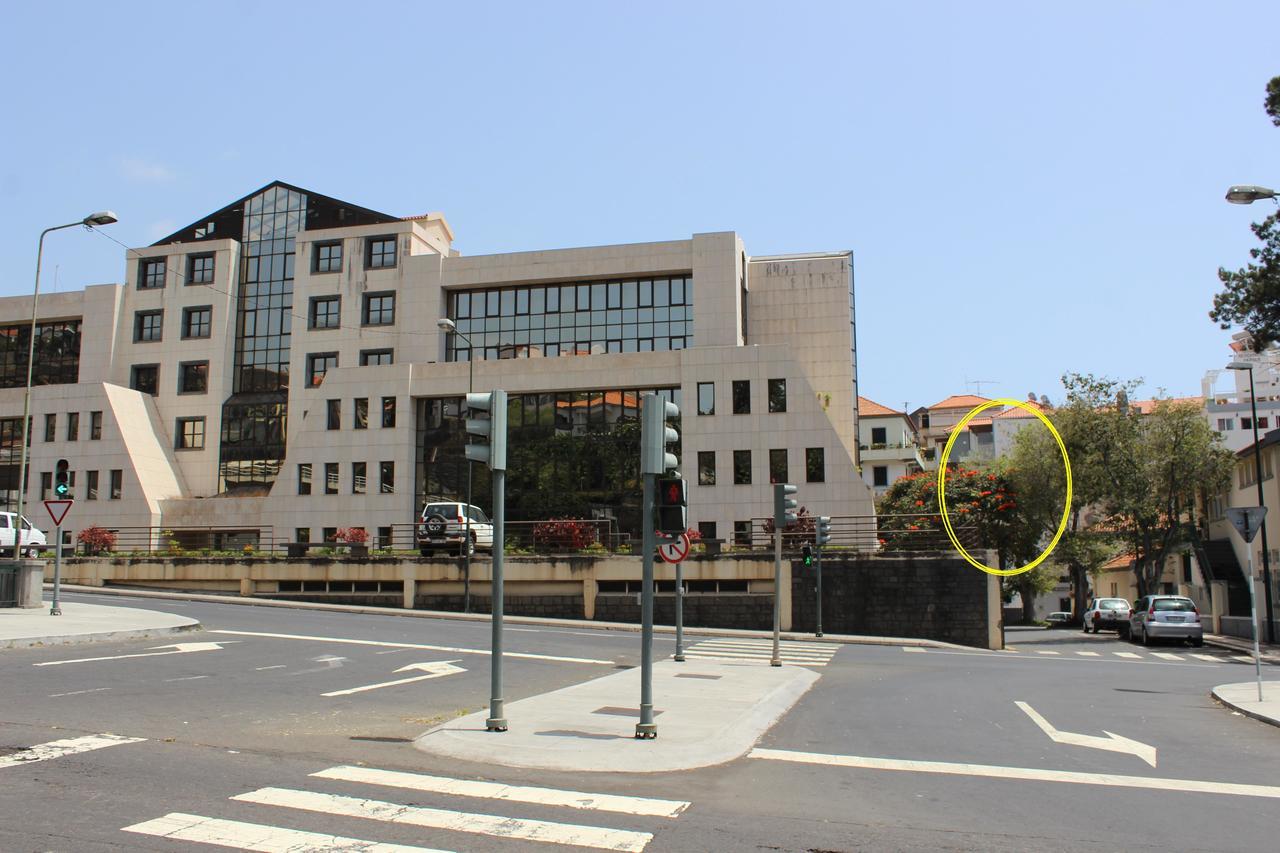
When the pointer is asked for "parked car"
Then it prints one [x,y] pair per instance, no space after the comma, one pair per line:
[1158,617]
[443,525]
[1106,613]
[1060,617]
[31,536]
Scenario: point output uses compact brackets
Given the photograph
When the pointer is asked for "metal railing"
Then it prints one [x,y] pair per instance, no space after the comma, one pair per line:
[906,533]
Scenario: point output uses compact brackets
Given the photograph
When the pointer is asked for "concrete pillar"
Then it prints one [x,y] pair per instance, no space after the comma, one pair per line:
[589,588]
[785,596]
[1218,601]
[995,614]
[248,586]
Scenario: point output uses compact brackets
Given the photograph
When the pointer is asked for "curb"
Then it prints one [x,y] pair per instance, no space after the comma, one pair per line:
[835,639]
[100,637]
[1244,647]
[1262,718]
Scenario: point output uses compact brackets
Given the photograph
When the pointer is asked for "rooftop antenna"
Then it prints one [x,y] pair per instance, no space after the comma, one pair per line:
[979,383]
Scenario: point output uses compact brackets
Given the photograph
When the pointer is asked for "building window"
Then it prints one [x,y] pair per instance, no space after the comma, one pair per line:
[151,273]
[1246,423]
[46,485]
[190,434]
[879,436]
[742,396]
[361,408]
[304,480]
[331,478]
[325,312]
[380,253]
[778,466]
[706,467]
[387,478]
[193,377]
[334,408]
[73,426]
[318,364]
[95,426]
[326,257]
[1226,424]
[379,309]
[815,465]
[91,485]
[146,378]
[200,269]
[330,534]
[117,484]
[302,535]
[50,427]
[777,395]
[147,325]
[197,322]
[1262,423]
[706,530]
[384,537]
[742,467]
[742,533]
[706,398]
[388,412]
[375,357]
[880,475]
[924,420]
[358,473]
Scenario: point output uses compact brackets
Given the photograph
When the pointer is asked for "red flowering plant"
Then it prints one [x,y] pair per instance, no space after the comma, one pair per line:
[982,506]
[353,535]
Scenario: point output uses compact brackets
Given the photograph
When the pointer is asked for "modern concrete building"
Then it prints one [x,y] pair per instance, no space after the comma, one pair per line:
[275,368]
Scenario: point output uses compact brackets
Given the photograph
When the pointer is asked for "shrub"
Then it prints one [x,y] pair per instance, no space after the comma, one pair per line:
[353,535]
[566,534]
[96,539]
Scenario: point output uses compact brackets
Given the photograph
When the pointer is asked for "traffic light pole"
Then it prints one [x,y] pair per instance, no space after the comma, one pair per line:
[646,728]
[56,609]
[679,655]
[776,660]
[497,721]
[817,554]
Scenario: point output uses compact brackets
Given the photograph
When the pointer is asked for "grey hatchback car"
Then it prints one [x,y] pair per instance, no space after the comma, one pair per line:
[1158,617]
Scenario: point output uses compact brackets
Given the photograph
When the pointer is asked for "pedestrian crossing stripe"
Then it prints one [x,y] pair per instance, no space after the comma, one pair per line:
[238,835]
[761,650]
[1165,656]
[1089,654]
[1201,657]
[1127,655]
[68,746]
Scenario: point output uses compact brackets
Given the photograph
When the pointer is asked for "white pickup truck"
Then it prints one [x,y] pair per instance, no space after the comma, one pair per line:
[33,539]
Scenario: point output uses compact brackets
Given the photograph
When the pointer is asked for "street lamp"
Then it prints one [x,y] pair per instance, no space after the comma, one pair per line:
[1257,470]
[1248,194]
[444,324]
[102,217]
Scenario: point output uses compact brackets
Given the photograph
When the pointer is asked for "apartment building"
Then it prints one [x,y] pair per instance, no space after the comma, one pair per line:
[889,445]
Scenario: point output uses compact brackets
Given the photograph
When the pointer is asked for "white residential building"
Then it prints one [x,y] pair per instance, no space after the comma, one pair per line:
[888,443]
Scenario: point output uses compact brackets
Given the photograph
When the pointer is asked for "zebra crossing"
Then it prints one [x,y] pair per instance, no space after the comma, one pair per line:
[439,822]
[60,748]
[1146,654]
[753,650]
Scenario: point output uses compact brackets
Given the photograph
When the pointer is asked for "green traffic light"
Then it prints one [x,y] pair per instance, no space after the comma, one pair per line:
[61,490]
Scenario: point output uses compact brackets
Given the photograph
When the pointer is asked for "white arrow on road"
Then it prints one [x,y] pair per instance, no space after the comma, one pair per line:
[329,661]
[1111,743]
[433,669]
[178,649]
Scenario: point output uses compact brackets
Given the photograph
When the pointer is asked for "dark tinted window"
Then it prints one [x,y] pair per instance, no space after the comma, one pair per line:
[1174,604]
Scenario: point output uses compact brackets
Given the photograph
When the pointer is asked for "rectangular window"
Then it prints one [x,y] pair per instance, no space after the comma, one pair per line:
[304,479]
[384,537]
[1246,423]
[777,395]
[117,484]
[318,364]
[330,534]
[50,427]
[380,253]
[146,378]
[706,467]
[924,420]
[742,533]
[302,534]
[190,434]
[379,309]
[73,426]
[46,484]
[197,322]
[778,466]
[878,436]
[1262,423]
[815,465]
[1225,424]
[375,357]
[358,473]
[388,412]
[742,467]
[387,478]
[91,485]
[193,377]
[706,398]
[361,419]
[742,396]
[95,426]
[880,475]
[151,273]
[200,269]
[334,408]
[147,325]
[707,529]
[325,312]
[331,478]
[326,257]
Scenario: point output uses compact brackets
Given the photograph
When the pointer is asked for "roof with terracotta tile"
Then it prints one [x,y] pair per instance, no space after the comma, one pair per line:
[1016,412]
[870,409]
[1146,407]
[960,401]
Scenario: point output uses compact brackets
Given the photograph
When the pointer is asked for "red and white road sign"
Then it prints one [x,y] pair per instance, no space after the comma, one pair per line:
[58,510]
[675,551]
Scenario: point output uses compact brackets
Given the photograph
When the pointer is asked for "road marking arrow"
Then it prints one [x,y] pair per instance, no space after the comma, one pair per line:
[433,669]
[178,649]
[1112,742]
[329,661]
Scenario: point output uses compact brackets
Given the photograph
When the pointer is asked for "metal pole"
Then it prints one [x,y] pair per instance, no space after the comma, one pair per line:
[1266,557]
[646,728]
[776,660]
[818,556]
[466,545]
[56,610]
[497,722]
[679,655]
[1253,609]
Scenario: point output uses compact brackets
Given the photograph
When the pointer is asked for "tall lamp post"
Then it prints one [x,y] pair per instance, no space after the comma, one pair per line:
[102,217]
[447,325]
[1257,471]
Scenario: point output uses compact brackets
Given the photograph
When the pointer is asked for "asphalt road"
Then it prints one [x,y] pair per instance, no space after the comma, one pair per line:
[891,750]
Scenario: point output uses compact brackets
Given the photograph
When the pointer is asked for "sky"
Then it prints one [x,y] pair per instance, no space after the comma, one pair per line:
[1028,188]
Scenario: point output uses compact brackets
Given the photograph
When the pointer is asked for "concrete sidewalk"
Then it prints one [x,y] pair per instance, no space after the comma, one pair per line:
[85,623]
[1243,697]
[1268,652]
[707,712]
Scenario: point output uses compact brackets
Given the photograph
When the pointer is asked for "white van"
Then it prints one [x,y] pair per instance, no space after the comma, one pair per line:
[31,536]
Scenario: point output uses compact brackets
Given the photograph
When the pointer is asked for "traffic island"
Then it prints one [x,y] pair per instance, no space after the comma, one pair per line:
[86,623]
[1243,697]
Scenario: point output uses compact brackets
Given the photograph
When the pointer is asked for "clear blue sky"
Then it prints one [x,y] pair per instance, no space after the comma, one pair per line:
[1028,189]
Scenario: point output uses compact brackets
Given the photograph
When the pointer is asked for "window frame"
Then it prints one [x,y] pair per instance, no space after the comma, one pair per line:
[139,321]
[743,385]
[195,268]
[387,484]
[328,468]
[183,366]
[312,358]
[95,426]
[710,410]
[316,249]
[333,414]
[336,315]
[365,303]
[133,378]
[775,476]
[51,426]
[187,313]
[777,404]
[366,354]
[304,483]
[359,475]
[360,413]
[145,265]
[116,479]
[73,426]
[738,457]
[181,440]
[370,255]
[809,456]
[705,478]
[388,413]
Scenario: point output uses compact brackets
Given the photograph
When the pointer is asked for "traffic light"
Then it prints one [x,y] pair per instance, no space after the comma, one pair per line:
[655,435]
[783,506]
[493,450]
[62,479]
[672,517]
[806,555]
[822,532]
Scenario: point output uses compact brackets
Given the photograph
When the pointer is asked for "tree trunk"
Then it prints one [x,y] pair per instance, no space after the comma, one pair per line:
[1027,592]
[1080,580]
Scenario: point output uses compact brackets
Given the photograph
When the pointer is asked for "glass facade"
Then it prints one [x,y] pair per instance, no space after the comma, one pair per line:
[579,318]
[57,360]
[252,444]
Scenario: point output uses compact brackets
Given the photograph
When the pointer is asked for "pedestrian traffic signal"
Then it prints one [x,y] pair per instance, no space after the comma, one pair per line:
[492,450]
[822,532]
[62,479]
[783,506]
[806,555]
[655,435]
[672,507]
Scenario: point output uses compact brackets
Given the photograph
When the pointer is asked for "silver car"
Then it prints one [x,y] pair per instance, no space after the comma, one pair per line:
[1158,617]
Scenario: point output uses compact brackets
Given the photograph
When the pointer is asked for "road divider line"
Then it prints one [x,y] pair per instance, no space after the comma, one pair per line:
[1192,786]
[511,793]
[912,649]
[1048,653]
[238,835]
[78,692]
[353,642]
[69,746]
[1130,655]
[1165,656]
[1205,657]
[1089,654]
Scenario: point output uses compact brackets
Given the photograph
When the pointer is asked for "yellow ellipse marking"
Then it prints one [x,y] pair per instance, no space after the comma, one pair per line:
[942,478]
